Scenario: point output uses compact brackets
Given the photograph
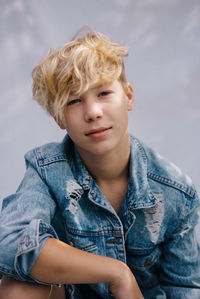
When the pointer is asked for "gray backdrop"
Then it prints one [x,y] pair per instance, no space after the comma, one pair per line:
[163,66]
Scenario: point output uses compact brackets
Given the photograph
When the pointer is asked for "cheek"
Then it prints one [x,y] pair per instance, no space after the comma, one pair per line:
[74,129]
[71,120]
[122,110]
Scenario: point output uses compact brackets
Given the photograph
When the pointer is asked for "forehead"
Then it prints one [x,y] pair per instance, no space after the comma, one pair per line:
[91,87]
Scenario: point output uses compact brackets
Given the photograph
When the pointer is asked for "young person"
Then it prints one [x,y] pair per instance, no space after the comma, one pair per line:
[100,213]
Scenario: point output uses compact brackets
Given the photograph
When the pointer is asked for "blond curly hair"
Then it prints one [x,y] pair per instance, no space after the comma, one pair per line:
[73,68]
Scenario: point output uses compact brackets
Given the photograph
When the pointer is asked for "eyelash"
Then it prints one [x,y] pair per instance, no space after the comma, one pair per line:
[101,94]
[104,93]
[73,102]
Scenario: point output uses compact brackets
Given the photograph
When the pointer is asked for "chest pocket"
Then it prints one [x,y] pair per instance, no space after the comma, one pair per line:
[145,265]
[142,259]
[83,240]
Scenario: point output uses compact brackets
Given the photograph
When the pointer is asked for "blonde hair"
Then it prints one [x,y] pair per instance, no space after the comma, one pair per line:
[73,68]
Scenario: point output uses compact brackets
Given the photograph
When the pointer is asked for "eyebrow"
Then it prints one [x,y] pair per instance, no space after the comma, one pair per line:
[104,85]
[97,86]
[74,94]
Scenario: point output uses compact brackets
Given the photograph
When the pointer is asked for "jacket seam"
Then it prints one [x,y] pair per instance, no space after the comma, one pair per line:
[44,162]
[172,183]
[142,150]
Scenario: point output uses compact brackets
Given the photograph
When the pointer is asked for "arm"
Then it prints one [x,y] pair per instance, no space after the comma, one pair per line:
[27,238]
[25,223]
[61,263]
[180,263]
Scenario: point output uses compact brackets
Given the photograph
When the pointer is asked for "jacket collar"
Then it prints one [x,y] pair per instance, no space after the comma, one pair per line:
[139,193]
[79,170]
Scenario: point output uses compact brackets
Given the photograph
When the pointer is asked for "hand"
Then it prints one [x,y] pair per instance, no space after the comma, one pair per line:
[125,285]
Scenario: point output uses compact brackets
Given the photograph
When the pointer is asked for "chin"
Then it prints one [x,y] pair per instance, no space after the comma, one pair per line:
[102,150]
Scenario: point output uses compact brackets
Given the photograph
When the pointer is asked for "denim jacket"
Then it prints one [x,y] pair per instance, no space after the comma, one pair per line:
[154,232]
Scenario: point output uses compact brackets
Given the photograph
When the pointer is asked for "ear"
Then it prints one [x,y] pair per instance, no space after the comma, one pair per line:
[130,96]
[59,122]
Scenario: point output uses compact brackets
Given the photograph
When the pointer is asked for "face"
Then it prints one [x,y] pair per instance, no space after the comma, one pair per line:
[97,121]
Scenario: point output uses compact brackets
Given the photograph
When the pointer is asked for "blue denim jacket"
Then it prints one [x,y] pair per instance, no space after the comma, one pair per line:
[153,232]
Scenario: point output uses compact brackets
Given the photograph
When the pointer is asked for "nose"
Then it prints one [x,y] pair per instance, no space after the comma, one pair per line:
[93,111]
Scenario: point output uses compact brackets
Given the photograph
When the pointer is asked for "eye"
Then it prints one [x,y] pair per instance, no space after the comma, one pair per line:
[104,93]
[74,101]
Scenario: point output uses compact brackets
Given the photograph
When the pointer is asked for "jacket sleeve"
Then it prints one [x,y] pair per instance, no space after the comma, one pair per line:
[25,223]
[180,262]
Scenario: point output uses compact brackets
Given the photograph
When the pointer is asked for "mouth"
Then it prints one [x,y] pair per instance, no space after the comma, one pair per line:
[98,132]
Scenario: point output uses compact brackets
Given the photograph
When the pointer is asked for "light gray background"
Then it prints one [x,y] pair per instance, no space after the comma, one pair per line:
[163,66]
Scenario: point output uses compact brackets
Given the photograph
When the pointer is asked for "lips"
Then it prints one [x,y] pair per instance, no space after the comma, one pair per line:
[97,131]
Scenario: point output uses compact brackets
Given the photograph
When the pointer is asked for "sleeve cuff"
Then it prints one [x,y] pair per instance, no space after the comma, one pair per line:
[30,245]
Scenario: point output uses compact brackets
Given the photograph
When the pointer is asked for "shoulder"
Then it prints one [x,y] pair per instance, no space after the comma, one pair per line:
[51,152]
[163,171]
[167,183]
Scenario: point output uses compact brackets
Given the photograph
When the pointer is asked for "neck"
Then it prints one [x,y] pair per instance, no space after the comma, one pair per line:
[109,167]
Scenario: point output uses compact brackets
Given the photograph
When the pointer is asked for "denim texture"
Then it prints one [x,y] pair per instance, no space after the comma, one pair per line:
[154,232]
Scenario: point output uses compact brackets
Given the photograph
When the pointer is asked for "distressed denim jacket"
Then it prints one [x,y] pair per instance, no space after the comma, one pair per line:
[154,232]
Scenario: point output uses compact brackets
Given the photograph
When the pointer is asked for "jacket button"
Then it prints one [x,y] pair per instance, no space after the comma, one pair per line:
[147,262]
